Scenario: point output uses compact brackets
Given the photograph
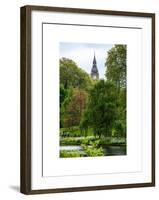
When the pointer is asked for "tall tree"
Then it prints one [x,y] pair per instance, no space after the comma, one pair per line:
[116,66]
[116,73]
[101,110]
[63,94]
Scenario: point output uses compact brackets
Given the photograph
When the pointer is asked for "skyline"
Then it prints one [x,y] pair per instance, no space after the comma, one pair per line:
[83,53]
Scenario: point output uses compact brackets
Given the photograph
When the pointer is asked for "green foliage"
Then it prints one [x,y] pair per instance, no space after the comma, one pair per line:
[119,128]
[92,141]
[63,94]
[75,141]
[92,152]
[93,112]
[65,98]
[120,124]
[88,152]
[73,76]
[116,66]
[70,154]
[75,107]
[74,84]
[116,73]
[91,148]
[74,131]
[101,110]
[70,141]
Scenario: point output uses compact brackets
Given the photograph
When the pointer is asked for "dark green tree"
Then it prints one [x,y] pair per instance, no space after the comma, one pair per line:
[100,114]
[120,123]
[63,94]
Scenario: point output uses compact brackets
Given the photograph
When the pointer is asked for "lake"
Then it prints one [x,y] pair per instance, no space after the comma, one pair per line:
[115,150]
[70,148]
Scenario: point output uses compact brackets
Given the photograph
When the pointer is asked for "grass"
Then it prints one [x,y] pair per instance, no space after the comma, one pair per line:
[71,154]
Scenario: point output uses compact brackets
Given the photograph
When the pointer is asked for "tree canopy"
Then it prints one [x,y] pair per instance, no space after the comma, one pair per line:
[101,109]
[75,108]
[73,76]
[116,66]
[116,73]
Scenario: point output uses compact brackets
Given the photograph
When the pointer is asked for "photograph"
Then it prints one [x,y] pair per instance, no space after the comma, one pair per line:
[87,114]
[92,88]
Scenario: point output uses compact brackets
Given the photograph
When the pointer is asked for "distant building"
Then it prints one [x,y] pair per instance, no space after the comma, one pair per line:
[94,70]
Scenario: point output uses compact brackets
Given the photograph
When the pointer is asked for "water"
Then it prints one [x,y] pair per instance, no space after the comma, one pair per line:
[69,148]
[115,150]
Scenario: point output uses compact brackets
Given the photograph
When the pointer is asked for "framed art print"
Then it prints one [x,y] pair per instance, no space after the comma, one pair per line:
[87,99]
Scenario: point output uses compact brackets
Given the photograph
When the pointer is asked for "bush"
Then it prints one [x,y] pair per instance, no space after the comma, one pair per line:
[92,151]
[70,141]
[91,148]
[70,132]
[75,141]
[74,131]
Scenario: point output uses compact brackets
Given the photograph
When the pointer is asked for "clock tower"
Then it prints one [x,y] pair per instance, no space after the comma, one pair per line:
[94,70]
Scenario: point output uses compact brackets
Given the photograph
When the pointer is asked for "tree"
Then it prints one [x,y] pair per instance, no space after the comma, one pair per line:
[65,98]
[116,73]
[63,94]
[101,110]
[116,66]
[75,108]
[120,124]
[74,84]
[73,76]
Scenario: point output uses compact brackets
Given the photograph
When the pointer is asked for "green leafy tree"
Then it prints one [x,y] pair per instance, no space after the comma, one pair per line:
[100,114]
[120,124]
[116,73]
[73,76]
[116,66]
[65,98]
[63,94]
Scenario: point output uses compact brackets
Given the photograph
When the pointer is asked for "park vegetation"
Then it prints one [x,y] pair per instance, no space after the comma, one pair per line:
[93,112]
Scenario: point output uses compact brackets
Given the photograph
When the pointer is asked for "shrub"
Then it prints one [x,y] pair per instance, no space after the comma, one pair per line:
[70,141]
[75,141]
[92,151]
[91,148]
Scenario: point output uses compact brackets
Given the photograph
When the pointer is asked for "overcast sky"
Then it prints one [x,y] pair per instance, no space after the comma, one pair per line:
[83,53]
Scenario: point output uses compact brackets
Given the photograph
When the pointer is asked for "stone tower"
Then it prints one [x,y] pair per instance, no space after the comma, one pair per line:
[94,70]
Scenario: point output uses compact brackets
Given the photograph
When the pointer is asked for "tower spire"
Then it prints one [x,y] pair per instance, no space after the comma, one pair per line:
[94,70]
[94,59]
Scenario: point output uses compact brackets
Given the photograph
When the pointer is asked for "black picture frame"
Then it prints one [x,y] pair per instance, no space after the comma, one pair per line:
[26,107]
